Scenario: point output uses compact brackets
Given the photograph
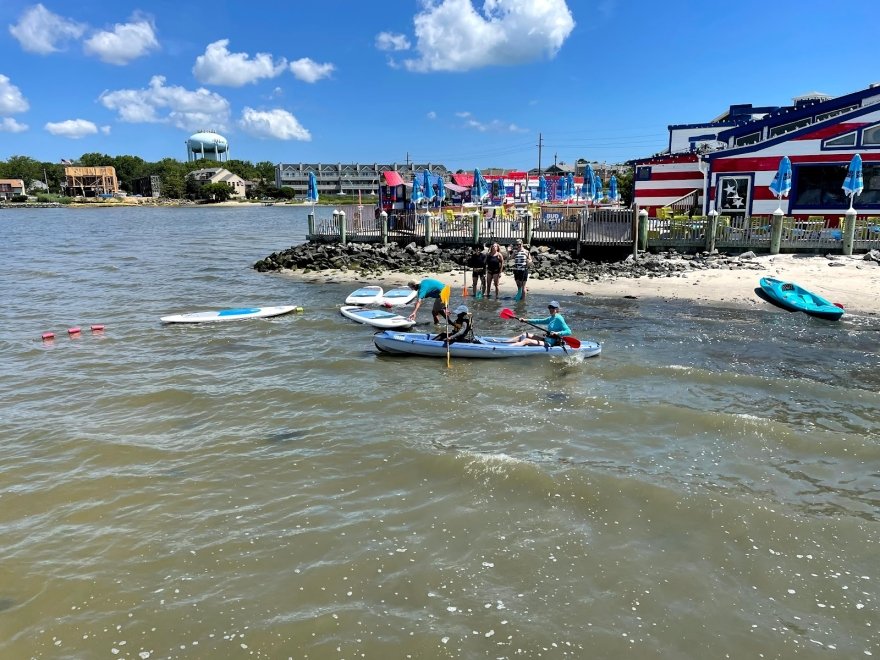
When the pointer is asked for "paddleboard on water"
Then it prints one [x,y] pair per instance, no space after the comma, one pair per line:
[367,295]
[378,318]
[235,314]
[398,297]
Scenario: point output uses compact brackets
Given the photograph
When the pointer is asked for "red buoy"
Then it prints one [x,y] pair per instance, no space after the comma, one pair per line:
[48,336]
[98,327]
[73,331]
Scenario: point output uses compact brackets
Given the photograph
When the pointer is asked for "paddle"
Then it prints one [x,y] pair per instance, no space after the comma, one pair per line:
[509,314]
[444,296]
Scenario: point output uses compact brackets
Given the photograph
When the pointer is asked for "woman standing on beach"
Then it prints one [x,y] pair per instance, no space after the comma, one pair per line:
[494,266]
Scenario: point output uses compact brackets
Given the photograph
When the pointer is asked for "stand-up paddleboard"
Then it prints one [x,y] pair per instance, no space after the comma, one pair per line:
[378,318]
[398,297]
[368,295]
[229,314]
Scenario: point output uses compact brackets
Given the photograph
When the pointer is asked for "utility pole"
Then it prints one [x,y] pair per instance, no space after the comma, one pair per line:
[554,160]
[540,144]
[407,160]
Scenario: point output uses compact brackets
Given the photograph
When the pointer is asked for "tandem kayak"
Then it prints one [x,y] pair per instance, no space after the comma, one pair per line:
[419,343]
[797,298]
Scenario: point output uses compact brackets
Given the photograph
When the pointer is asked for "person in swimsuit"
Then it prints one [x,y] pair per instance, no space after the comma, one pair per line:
[477,264]
[494,266]
[521,262]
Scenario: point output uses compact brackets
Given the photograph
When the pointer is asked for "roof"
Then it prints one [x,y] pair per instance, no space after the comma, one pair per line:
[456,188]
[392,178]
[466,180]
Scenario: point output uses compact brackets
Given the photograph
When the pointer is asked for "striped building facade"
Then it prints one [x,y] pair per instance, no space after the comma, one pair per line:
[729,163]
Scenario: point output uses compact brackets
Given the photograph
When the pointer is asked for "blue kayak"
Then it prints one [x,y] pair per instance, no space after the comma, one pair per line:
[420,343]
[797,298]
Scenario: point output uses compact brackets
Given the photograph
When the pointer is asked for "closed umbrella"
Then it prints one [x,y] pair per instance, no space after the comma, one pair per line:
[428,188]
[569,186]
[312,191]
[853,183]
[441,191]
[612,189]
[417,194]
[597,185]
[480,189]
[781,184]
[588,188]
[542,189]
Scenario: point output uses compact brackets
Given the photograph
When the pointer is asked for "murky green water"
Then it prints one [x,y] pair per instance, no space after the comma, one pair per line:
[706,488]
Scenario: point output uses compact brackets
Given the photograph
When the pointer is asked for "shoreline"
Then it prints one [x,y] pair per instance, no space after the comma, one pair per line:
[840,279]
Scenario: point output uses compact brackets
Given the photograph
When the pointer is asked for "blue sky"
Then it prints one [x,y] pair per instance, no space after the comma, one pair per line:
[461,82]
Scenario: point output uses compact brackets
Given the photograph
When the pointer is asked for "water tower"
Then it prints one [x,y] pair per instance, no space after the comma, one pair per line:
[207,145]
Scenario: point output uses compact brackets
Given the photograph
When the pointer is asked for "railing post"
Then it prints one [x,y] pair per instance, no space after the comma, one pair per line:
[312,223]
[476,226]
[528,228]
[427,218]
[711,230]
[643,229]
[776,231]
[383,227]
[849,231]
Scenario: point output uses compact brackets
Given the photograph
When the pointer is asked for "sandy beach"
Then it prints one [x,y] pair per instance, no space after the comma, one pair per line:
[852,281]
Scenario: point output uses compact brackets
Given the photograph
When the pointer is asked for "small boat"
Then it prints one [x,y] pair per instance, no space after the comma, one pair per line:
[797,298]
[419,343]
[230,314]
[367,295]
[398,297]
[378,318]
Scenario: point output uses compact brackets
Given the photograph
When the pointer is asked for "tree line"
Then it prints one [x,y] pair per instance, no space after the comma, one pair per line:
[171,172]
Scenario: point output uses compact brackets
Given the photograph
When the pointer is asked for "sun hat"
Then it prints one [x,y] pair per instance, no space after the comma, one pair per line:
[554,304]
[461,309]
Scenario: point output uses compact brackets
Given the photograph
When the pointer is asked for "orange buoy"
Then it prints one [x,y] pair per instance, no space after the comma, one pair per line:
[73,331]
[48,336]
[98,327]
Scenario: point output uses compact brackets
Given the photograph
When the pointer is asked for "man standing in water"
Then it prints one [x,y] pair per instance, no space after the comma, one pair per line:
[521,262]
[429,288]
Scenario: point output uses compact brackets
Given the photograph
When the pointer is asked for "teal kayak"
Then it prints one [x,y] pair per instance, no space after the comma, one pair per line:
[795,297]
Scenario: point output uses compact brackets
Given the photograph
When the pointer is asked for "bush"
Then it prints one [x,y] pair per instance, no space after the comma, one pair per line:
[18,198]
[49,198]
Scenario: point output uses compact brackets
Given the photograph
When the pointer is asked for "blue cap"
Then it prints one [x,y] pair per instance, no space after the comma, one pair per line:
[554,304]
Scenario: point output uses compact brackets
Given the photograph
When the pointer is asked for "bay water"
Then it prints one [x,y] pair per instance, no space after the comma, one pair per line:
[706,488]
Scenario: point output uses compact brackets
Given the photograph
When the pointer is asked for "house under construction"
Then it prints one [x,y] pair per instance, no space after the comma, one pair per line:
[91,181]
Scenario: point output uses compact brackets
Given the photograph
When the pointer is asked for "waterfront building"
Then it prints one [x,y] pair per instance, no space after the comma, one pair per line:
[147,186]
[727,164]
[218,175]
[91,181]
[350,178]
[11,188]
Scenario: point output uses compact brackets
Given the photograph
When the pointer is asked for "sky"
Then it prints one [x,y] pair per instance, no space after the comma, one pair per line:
[465,83]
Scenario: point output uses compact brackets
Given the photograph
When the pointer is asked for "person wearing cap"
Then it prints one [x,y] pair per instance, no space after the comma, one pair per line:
[461,330]
[521,262]
[428,288]
[556,329]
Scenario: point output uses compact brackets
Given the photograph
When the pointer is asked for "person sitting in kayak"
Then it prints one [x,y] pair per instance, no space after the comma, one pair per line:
[462,328]
[556,329]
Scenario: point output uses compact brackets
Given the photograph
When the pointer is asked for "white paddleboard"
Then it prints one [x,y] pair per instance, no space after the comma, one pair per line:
[368,295]
[378,318]
[235,314]
[398,297]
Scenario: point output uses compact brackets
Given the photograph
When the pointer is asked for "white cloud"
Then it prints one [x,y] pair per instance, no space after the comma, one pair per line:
[278,124]
[220,67]
[40,31]
[11,98]
[432,115]
[72,128]
[390,41]
[184,108]
[9,125]
[126,42]
[310,71]
[453,36]
[105,130]
[492,126]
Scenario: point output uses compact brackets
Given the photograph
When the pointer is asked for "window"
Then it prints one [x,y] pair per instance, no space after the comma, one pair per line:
[746,140]
[643,173]
[845,140]
[871,136]
[733,194]
[834,113]
[820,186]
[789,127]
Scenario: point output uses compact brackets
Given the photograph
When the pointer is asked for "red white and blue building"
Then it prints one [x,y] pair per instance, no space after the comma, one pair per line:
[727,164]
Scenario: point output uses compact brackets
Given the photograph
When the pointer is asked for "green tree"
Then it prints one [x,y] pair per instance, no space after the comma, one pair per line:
[219,192]
[625,186]
[22,167]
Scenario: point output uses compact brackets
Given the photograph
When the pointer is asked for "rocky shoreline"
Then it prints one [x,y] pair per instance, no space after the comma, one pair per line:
[377,259]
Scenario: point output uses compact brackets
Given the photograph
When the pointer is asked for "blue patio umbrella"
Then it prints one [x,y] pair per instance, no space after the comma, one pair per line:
[499,189]
[441,191]
[570,192]
[479,189]
[428,188]
[417,194]
[312,191]
[588,191]
[853,183]
[542,189]
[597,185]
[781,184]
[612,189]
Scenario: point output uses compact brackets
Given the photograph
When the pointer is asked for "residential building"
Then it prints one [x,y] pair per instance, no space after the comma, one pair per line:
[147,186]
[218,175]
[91,181]
[727,164]
[348,178]
[11,187]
